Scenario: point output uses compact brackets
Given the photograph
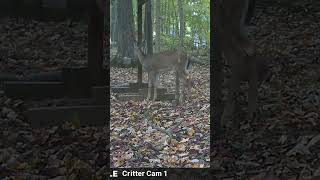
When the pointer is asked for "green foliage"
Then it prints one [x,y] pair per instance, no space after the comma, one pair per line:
[197,23]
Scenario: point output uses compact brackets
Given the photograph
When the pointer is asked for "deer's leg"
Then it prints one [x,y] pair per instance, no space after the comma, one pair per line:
[185,82]
[156,84]
[231,103]
[149,85]
[253,90]
[177,87]
[182,96]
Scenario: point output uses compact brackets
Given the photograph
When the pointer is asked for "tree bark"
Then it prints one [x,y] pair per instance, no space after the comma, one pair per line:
[114,21]
[148,30]
[158,26]
[181,23]
[139,23]
[125,45]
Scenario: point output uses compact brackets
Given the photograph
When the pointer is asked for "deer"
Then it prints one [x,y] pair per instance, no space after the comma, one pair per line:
[177,61]
[239,52]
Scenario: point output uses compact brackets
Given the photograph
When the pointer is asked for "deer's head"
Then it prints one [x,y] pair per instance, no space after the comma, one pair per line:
[138,50]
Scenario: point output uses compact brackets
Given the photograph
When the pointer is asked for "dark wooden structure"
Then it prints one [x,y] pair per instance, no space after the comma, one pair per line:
[84,82]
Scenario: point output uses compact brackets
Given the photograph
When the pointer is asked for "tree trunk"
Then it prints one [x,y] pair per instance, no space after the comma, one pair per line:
[181,23]
[158,20]
[125,45]
[148,30]
[139,23]
[180,33]
[167,22]
[114,21]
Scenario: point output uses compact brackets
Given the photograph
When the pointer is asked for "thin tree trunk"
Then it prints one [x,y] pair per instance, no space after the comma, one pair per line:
[139,24]
[158,22]
[181,18]
[149,31]
[167,13]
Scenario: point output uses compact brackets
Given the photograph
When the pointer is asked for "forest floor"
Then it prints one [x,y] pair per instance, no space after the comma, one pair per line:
[186,143]
[284,140]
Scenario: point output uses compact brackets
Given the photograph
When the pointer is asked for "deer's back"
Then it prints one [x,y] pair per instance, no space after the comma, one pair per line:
[166,60]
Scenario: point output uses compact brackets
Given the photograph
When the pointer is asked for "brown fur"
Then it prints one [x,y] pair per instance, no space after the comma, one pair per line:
[165,61]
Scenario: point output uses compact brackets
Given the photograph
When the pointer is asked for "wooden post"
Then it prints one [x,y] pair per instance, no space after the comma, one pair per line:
[139,20]
[95,44]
